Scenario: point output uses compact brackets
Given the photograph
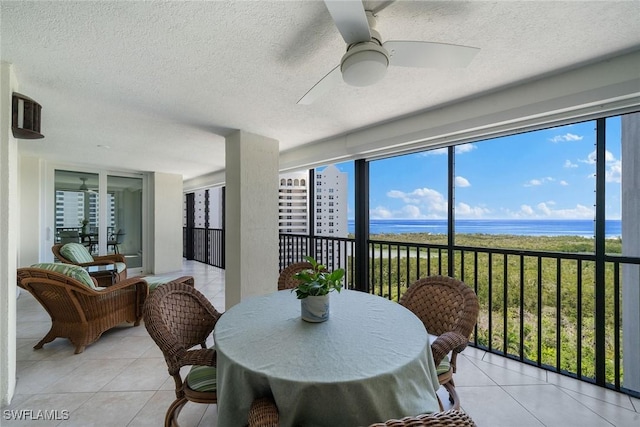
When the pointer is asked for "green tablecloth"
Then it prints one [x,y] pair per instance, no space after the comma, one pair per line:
[370,362]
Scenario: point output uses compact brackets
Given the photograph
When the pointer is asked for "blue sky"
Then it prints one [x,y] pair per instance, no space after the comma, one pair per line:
[546,174]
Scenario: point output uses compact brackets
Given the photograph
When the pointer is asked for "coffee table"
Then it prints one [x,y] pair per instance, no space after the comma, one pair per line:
[104,274]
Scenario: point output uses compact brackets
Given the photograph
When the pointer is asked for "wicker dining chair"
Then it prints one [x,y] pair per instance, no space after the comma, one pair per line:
[80,310]
[449,310]
[287,279]
[179,318]
[450,418]
[264,413]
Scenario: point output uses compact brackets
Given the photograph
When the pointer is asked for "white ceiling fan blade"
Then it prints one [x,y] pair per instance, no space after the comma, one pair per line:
[332,79]
[428,54]
[351,19]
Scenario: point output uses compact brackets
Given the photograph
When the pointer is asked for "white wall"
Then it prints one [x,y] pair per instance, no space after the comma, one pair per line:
[9,223]
[31,219]
[166,227]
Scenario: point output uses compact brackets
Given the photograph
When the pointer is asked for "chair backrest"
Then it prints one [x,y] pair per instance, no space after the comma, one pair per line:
[76,253]
[287,279]
[61,295]
[450,418]
[178,317]
[443,304]
[69,236]
[75,272]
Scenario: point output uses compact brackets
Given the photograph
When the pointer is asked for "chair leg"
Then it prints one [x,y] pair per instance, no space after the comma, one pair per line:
[440,403]
[47,338]
[171,419]
[453,395]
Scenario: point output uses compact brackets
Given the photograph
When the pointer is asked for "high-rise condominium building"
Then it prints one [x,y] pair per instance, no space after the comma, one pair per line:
[329,204]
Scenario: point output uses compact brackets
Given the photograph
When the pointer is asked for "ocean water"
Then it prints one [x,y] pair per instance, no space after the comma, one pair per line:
[585,228]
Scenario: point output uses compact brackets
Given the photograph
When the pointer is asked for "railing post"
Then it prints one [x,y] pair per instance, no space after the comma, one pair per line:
[207,234]
[190,202]
[451,217]
[311,211]
[600,286]
[361,225]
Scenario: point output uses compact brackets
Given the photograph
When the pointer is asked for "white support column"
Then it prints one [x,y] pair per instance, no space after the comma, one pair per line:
[631,247]
[166,227]
[251,216]
[9,225]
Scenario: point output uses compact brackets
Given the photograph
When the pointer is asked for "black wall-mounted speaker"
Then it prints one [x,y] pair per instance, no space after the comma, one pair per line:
[25,117]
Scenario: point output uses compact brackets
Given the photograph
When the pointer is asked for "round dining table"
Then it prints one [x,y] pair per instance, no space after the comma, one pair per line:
[369,362]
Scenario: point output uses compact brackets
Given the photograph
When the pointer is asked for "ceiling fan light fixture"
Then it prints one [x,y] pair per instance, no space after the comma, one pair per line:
[364,64]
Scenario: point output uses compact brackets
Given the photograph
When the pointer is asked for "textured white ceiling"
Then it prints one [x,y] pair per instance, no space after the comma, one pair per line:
[161,83]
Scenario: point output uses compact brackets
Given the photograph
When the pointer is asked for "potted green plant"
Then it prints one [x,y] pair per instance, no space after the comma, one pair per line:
[85,223]
[313,290]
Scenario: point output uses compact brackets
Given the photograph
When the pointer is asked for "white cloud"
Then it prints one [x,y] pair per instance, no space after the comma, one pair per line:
[545,210]
[569,164]
[614,166]
[591,158]
[411,212]
[564,183]
[436,152]
[380,212]
[419,203]
[465,211]
[538,181]
[406,212]
[465,148]
[462,182]
[429,199]
[566,137]
[614,171]
[526,209]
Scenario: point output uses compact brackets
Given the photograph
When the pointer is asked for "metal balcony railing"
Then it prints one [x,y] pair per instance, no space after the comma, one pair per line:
[535,307]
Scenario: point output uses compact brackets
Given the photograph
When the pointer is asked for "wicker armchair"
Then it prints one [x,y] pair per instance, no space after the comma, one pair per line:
[449,309]
[178,317]
[97,260]
[79,311]
[286,280]
[264,413]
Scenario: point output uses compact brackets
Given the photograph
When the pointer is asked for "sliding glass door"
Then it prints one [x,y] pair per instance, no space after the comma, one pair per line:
[124,218]
[101,211]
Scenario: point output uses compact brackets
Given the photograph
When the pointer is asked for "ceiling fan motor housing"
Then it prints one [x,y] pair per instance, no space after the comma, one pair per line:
[364,63]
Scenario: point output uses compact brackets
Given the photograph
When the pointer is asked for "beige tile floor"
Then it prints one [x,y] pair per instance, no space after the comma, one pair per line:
[122,380]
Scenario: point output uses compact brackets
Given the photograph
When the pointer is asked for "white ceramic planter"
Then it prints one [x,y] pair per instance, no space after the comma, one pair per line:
[315,308]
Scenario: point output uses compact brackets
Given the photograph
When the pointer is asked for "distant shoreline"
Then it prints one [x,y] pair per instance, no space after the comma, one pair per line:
[513,227]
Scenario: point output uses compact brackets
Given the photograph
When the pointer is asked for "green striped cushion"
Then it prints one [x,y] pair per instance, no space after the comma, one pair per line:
[202,378]
[444,366]
[120,267]
[155,281]
[75,252]
[73,271]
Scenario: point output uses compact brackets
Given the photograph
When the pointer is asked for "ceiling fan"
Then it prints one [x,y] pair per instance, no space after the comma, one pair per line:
[83,187]
[367,57]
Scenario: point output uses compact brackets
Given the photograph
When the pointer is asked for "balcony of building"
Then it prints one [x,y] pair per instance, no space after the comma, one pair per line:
[181,86]
[125,370]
